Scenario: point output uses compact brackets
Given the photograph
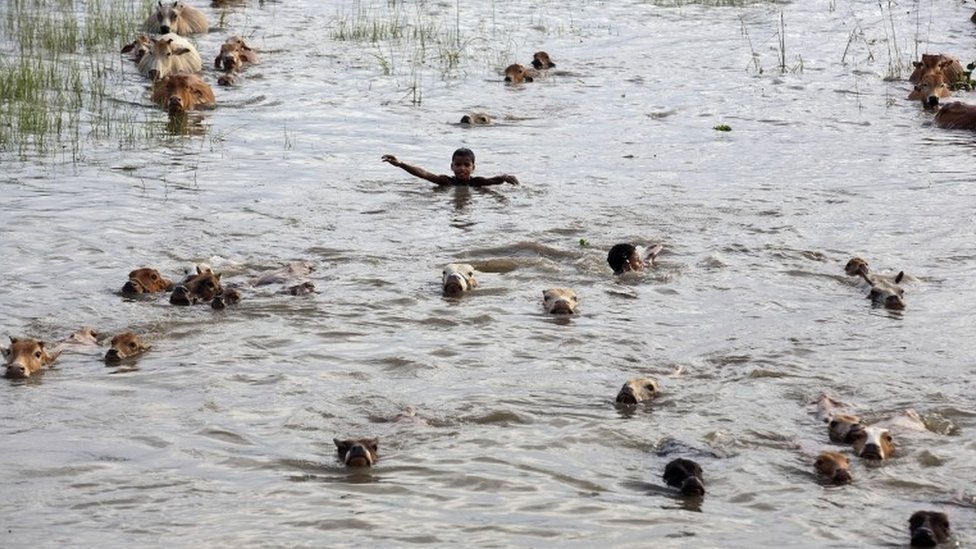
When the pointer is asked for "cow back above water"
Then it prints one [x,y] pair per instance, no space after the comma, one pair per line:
[956,116]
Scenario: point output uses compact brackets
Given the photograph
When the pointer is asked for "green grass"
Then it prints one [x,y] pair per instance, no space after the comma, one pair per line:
[407,40]
[56,57]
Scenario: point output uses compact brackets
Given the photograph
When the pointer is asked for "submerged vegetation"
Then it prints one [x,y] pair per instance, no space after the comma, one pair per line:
[425,40]
[402,35]
[55,58]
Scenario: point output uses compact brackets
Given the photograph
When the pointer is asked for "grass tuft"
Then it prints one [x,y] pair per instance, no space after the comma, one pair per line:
[55,84]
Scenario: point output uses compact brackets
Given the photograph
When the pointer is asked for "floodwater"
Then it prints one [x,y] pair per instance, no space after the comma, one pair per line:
[222,434]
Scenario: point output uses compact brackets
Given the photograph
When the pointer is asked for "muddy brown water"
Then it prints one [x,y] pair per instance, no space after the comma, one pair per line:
[222,434]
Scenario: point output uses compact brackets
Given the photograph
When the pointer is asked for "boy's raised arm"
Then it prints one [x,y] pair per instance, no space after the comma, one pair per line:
[417,172]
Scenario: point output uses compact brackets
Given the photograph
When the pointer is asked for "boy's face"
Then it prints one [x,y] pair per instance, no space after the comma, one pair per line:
[635,263]
[462,167]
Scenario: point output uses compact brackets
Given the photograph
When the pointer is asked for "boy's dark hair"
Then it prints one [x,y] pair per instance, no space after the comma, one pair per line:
[619,256]
[463,152]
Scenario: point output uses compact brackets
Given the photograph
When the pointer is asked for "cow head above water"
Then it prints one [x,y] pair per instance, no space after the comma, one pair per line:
[26,357]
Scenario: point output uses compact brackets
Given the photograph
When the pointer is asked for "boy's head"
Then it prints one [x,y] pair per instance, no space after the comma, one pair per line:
[462,163]
[623,258]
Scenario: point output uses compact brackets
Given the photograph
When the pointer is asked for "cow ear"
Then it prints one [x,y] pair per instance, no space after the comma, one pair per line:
[181,51]
[13,340]
[901,275]
[128,47]
[917,64]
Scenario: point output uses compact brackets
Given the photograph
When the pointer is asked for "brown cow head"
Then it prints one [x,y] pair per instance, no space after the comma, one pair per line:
[202,287]
[181,92]
[540,60]
[359,452]
[234,54]
[26,357]
[145,281]
[931,87]
[123,346]
[138,47]
[516,74]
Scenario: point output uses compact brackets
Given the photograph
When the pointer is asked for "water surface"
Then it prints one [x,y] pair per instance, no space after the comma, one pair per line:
[222,434]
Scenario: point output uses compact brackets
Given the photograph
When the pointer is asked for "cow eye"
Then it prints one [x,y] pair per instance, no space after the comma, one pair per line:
[132,344]
[37,354]
[153,276]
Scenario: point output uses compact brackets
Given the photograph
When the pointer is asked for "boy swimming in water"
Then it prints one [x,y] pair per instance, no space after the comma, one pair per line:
[462,164]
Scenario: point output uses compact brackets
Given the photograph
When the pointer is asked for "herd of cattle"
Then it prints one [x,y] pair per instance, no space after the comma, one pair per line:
[200,285]
[871,441]
[172,63]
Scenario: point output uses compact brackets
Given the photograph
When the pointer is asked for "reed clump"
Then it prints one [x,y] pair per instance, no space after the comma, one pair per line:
[406,41]
[55,59]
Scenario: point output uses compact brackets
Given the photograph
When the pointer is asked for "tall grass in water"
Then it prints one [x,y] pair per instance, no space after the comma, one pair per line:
[425,40]
[406,41]
[865,36]
[55,57]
